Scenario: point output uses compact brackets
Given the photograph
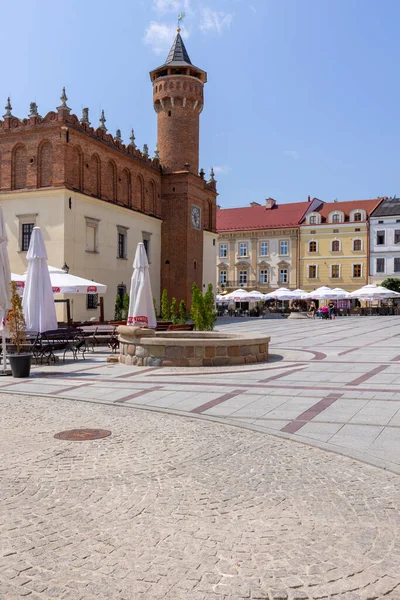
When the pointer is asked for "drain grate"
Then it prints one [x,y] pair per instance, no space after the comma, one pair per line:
[82,435]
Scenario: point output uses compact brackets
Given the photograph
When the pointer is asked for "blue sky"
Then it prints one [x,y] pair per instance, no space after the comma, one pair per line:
[303,96]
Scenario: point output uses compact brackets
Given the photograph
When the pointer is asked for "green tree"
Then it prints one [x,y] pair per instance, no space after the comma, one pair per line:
[209,308]
[174,311]
[392,283]
[118,308]
[182,312]
[125,306]
[16,322]
[165,306]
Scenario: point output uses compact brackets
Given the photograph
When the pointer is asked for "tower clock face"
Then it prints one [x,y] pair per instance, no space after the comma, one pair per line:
[196,214]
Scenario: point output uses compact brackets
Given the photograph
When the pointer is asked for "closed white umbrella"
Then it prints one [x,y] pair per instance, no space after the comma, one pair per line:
[5,279]
[37,302]
[141,307]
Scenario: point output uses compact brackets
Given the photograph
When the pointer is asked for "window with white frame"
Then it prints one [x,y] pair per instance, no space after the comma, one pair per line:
[283,247]
[380,265]
[223,250]
[26,224]
[357,216]
[222,277]
[335,271]
[264,249]
[357,269]
[312,246]
[396,265]
[397,236]
[312,271]
[357,245]
[312,220]
[283,276]
[263,275]
[92,234]
[243,249]
[243,277]
[335,246]
[380,238]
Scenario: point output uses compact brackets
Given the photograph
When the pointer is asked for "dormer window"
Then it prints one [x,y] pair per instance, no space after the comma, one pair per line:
[357,216]
[313,220]
[335,219]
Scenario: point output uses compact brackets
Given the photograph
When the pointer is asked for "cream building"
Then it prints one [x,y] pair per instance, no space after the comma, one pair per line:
[258,246]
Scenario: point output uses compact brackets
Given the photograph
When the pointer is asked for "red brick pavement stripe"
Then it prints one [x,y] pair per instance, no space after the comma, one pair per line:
[280,375]
[317,355]
[310,413]
[138,394]
[217,401]
[368,375]
[395,359]
[389,337]
[241,371]
[71,387]
[129,375]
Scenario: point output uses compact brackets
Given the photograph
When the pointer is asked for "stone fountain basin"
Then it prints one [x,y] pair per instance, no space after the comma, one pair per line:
[148,348]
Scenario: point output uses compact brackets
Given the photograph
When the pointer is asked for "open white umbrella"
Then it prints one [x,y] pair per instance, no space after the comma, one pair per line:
[300,294]
[257,296]
[281,294]
[5,279]
[374,292]
[141,307]
[321,293]
[37,302]
[66,283]
[340,294]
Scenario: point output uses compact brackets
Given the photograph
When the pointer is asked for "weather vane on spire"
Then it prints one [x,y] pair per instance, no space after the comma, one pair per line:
[181,16]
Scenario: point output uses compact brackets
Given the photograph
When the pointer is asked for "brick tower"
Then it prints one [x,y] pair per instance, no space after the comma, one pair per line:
[188,201]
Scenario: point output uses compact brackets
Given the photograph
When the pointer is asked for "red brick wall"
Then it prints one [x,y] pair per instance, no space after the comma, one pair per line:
[178,101]
[19,167]
[45,164]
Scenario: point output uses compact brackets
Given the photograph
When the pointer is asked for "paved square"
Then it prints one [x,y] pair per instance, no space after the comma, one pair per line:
[193,508]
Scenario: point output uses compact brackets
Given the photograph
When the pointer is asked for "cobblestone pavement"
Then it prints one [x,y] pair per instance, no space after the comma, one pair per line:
[178,508]
[331,384]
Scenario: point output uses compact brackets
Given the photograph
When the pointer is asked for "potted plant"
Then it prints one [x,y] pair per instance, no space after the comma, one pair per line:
[20,361]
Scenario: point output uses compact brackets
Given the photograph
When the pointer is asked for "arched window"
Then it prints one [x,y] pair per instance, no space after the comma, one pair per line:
[125,194]
[335,218]
[18,167]
[312,246]
[152,198]
[74,167]
[335,246]
[356,245]
[45,165]
[111,181]
[140,193]
[357,216]
[93,176]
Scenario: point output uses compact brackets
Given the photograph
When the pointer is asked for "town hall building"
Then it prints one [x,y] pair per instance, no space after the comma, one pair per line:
[95,197]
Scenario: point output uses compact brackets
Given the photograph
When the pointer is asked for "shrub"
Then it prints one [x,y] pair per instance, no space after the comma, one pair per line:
[125,306]
[16,322]
[165,314]
[118,308]
[174,311]
[210,314]
[182,312]
[392,283]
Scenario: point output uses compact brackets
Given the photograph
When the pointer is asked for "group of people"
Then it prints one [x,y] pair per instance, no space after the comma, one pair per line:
[325,312]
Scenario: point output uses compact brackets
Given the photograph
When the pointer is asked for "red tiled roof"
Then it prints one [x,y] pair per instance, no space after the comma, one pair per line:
[347,206]
[260,217]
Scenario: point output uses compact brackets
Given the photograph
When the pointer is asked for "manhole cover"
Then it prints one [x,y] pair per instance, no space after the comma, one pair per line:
[82,435]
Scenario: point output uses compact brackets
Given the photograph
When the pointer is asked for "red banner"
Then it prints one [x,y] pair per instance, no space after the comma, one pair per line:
[92,289]
[56,290]
[138,320]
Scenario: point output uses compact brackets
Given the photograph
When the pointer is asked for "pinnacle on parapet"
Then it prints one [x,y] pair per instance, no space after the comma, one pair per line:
[33,109]
[118,137]
[212,174]
[132,139]
[102,121]
[8,108]
[202,173]
[85,116]
[145,150]
[187,166]
[156,153]
[63,99]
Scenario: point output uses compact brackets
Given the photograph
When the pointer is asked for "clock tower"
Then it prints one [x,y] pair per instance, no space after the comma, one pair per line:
[188,200]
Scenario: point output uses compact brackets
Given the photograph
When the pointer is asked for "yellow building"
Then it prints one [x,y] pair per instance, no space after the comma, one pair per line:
[334,244]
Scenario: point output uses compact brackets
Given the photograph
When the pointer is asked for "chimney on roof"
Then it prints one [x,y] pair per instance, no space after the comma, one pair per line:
[270,203]
[309,199]
[255,204]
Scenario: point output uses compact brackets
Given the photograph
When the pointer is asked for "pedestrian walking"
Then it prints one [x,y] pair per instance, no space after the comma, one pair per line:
[332,310]
[313,309]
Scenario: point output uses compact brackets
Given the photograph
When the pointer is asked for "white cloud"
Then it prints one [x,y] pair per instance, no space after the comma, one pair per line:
[161,36]
[222,169]
[292,154]
[212,20]
[253,8]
